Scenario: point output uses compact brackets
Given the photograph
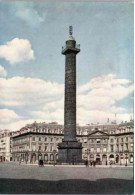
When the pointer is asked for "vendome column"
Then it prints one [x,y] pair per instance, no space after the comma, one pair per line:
[70,150]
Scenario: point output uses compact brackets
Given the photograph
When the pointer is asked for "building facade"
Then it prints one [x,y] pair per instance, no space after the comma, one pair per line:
[5,145]
[40,141]
[110,148]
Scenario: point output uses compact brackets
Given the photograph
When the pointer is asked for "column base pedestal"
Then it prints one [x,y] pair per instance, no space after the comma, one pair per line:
[70,152]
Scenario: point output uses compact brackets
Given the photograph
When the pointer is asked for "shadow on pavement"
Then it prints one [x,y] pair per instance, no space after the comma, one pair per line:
[77,186]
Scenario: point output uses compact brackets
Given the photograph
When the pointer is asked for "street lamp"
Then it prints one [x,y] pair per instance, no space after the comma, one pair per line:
[126,159]
[120,158]
[87,152]
[54,152]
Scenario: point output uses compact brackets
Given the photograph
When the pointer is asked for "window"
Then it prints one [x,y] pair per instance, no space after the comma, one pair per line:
[51,157]
[51,139]
[46,157]
[98,141]
[33,139]
[92,149]
[111,140]
[117,148]
[45,148]
[98,149]
[121,139]
[51,148]
[34,148]
[39,138]
[45,139]
[117,140]
[126,146]
[131,146]
[127,139]
[111,148]
[39,148]
[104,149]
[122,148]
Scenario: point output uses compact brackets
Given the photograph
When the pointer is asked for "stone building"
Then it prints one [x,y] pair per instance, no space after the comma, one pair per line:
[115,148]
[40,140]
[5,145]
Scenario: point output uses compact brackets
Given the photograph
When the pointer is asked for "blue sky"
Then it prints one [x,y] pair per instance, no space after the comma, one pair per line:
[105,33]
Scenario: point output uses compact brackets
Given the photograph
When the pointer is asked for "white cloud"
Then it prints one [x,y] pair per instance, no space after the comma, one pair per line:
[3,72]
[49,116]
[7,115]
[17,50]
[44,100]
[88,116]
[26,12]
[14,126]
[102,93]
[103,82]
[20,91]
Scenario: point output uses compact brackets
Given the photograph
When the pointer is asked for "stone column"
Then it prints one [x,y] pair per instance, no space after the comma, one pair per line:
[70,98]
[70,151]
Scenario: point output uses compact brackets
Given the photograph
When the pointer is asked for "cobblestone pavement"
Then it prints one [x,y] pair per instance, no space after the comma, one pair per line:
[20,179]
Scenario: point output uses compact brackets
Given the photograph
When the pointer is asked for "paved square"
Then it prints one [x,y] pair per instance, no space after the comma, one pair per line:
[22,179]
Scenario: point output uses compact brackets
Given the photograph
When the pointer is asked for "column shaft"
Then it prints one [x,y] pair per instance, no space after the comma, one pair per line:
[70,98]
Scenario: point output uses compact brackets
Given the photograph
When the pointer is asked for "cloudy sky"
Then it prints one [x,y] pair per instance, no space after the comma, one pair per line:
[32,67]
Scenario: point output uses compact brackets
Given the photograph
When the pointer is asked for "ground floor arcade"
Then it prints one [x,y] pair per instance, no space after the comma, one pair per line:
[101,159]
[34,157]
[111,158]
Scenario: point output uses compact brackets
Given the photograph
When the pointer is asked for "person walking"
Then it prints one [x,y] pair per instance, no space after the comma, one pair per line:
[91,163]
[86,163]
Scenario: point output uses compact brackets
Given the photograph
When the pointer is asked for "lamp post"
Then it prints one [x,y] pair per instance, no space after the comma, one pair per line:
[54,152]
[73,159]
[120,157]
[87,152]
[126,159]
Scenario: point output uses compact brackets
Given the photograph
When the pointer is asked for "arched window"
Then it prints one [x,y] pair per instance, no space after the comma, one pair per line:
[104,158]
[33,157]
[51,157]
[46,157]
[111,157]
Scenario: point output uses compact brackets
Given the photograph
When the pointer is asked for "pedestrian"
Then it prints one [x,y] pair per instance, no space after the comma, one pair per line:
[86,163]
[106,163]
[42,163]
[39,163]
[20,162]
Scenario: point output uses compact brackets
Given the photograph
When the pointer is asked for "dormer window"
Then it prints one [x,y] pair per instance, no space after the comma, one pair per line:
[98,141]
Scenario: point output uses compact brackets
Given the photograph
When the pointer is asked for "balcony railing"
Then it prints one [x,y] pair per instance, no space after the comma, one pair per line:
[77,47]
